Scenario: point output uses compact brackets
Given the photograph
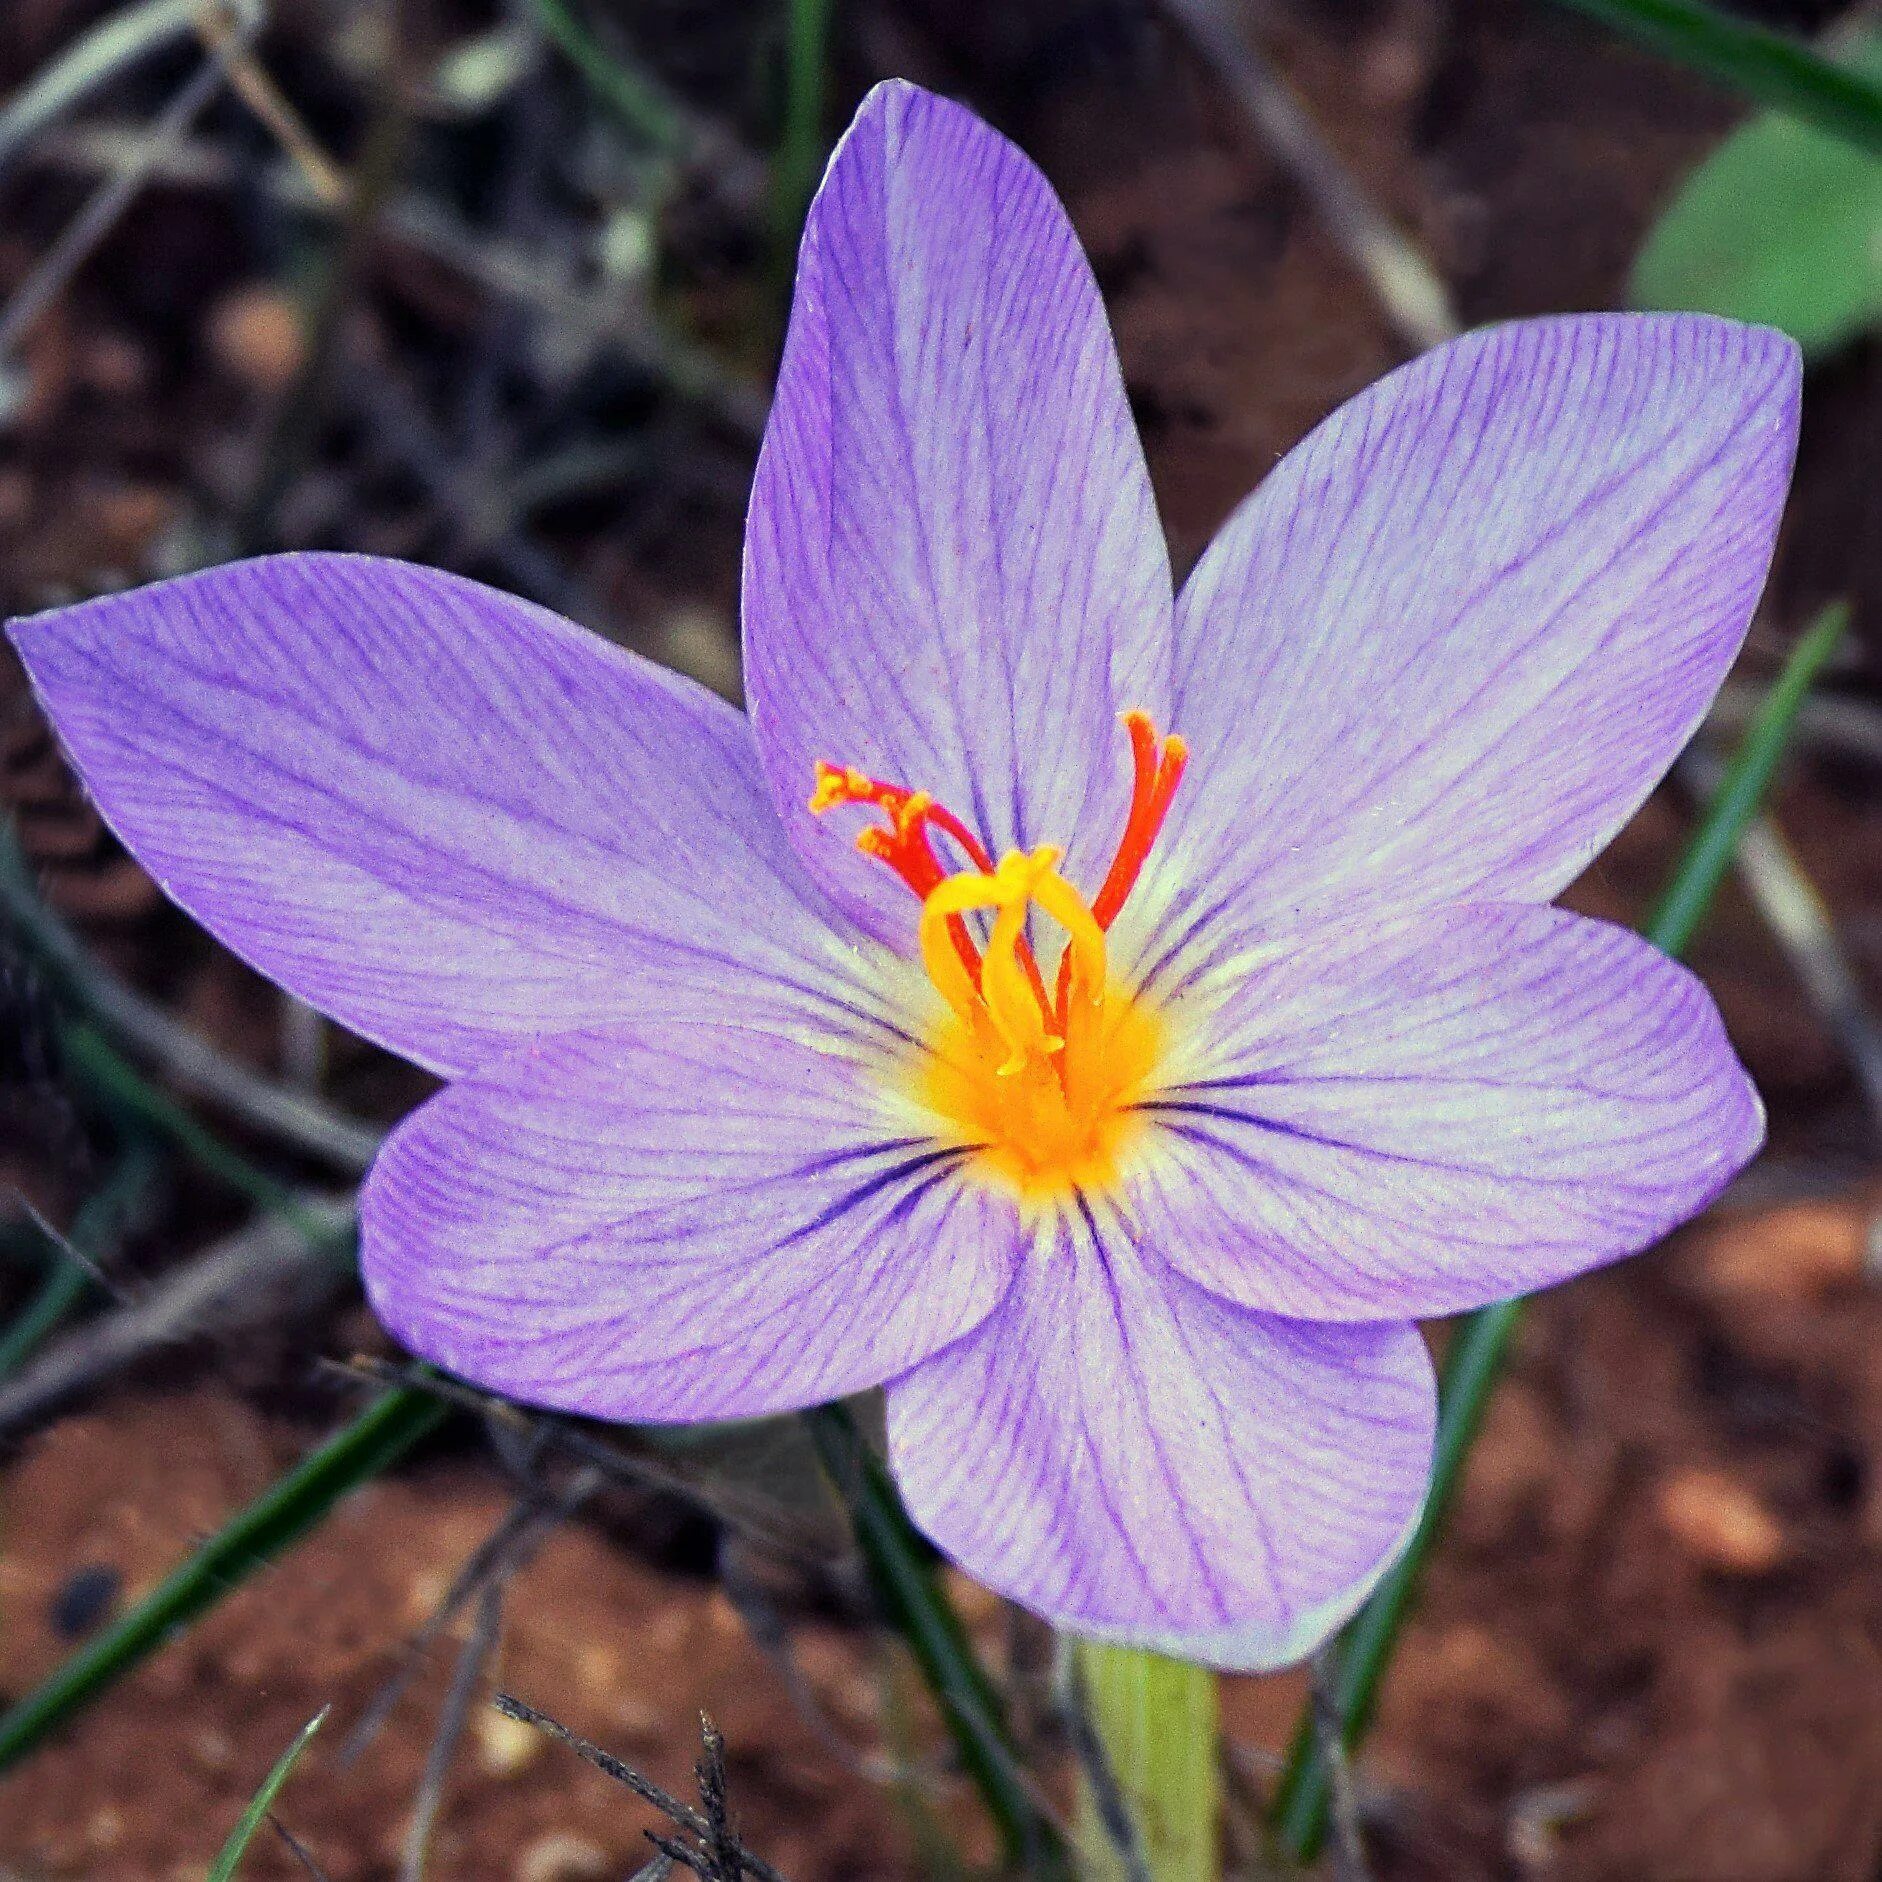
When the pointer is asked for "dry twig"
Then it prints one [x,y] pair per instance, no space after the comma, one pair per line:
[451,1719]
[238,1282]
[715,1853]
[1410,290]
[1348,1841]
[183,1056]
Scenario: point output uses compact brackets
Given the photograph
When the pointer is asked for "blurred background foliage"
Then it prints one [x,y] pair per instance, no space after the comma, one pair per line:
[500,287]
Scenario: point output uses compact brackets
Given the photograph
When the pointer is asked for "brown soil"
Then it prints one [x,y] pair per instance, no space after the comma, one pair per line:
[1649,1648]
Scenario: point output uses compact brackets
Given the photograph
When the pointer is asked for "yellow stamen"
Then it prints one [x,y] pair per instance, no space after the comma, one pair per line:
[1037,1075]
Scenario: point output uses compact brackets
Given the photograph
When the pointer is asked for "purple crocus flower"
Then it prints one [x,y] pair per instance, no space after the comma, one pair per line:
[1108,1020]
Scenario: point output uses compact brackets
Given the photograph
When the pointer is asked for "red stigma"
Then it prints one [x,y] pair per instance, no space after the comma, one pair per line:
[905,840]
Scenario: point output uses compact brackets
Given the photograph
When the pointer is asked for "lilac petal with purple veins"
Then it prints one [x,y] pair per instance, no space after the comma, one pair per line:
[1141,1461]
[1473,1104]
[1458,634]
[447,818]
[676,1222]
[954,575]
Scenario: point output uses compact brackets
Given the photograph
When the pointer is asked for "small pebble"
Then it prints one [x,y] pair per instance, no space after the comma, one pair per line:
[1800,1252]
[1721,1523]
[256,336]
[560,1857]
[505,1745]
[84,1599]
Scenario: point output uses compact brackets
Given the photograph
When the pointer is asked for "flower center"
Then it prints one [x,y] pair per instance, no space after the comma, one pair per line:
[1037,1077]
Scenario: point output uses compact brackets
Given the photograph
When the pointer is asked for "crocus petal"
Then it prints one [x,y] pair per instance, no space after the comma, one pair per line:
[1141,1461]
[676,1222]
[954,575]
[436,812]
[1458,634]
[1478,1103]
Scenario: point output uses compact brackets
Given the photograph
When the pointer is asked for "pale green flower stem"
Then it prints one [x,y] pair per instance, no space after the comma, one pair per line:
[1157,1723]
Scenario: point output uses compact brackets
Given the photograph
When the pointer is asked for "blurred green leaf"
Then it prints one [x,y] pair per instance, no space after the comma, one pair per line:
[633,98]
[1782,224]
[260,1804]
[1771,67]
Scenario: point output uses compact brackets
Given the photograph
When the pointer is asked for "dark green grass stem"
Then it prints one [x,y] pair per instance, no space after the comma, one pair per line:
[636,103]
[1747,781]
[280,1516]
[900,1565]
[1474,1360]
[1769,66]
[120,1087]
[97,1227]
[802,148]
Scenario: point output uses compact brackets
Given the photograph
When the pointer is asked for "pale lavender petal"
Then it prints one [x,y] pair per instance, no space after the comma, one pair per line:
[1459,633]
[954,575]
[1475,1104]
[676,1222]
[1139,1460]
[438,813]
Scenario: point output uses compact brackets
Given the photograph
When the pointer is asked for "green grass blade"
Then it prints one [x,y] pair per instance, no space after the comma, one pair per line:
[1769,66]
[900,1565]
[1474,1360]
[280,1516]
[119,1087]
[262,1802]
[638,104]
[801,146]
[1747,781]
[97,1226]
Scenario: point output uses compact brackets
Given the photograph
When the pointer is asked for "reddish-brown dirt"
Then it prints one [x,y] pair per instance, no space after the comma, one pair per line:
[1648,1651]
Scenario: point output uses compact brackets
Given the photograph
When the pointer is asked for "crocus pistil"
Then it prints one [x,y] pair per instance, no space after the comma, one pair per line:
[1038,1083]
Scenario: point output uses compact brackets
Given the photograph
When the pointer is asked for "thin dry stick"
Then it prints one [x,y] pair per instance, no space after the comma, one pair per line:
[69,1249]
[770,1633]
[1849,727]
[237,1282]
[1348,1841]
[583,317]
[747,1516]
[1411,291]
[508,1548]
[451,1719]
[249,80]
[721,1847]
[1795,913]
[300,1121]
[669,1806]
[297,1849]
[99,216]
[1107,1795]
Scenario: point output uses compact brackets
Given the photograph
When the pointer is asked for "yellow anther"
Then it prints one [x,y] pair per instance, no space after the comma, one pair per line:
[838,784]
[958,895]
[1067,907]
[1004,984]
[1007,995]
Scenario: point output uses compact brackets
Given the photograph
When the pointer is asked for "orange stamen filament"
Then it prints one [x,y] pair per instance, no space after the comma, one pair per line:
[1004,990]
[1158,770]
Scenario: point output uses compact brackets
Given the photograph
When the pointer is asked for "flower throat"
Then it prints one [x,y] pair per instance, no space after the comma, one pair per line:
[1036,1079]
